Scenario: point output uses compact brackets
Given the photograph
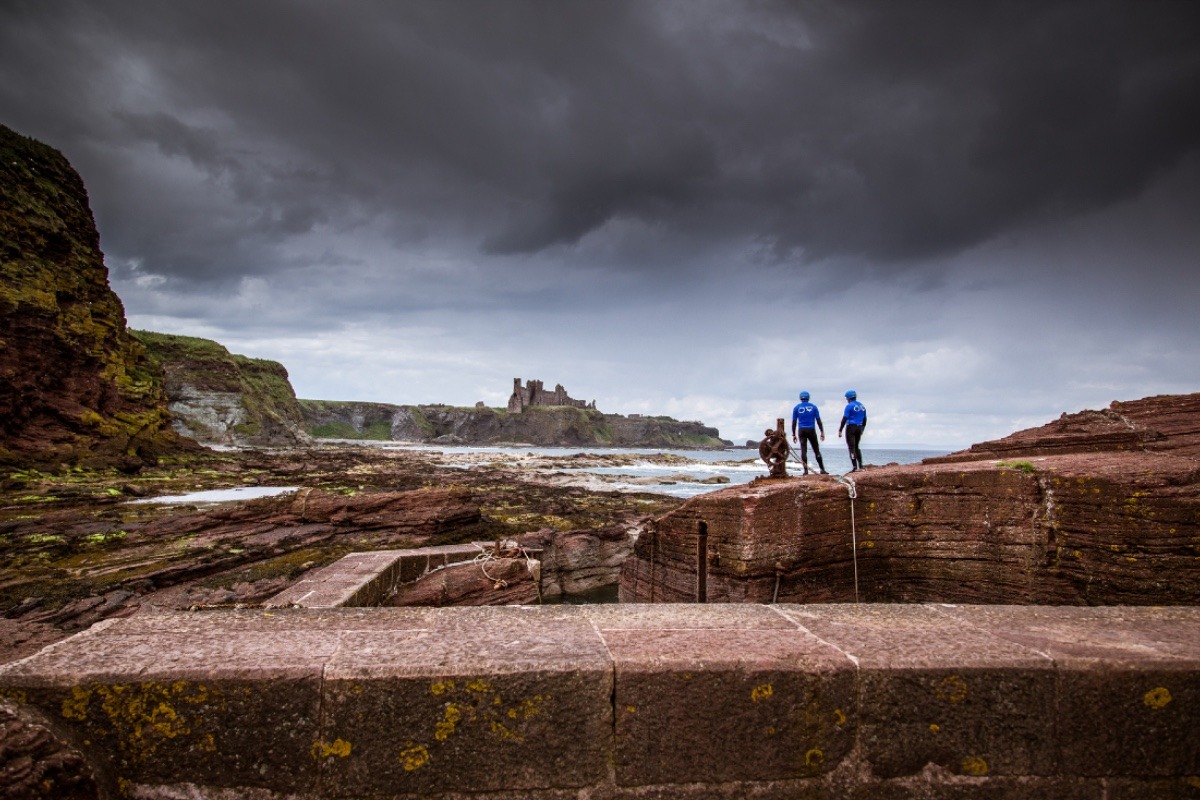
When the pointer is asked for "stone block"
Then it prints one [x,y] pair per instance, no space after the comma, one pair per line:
[710,695]
[227,708]
[487,699]
[1128,683]
[936,691]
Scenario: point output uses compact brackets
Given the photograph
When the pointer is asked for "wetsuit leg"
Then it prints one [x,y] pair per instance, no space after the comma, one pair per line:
[807,436]
[853,435]
[817,450]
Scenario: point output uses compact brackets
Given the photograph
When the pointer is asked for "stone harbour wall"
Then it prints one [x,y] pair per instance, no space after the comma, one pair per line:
[641,701]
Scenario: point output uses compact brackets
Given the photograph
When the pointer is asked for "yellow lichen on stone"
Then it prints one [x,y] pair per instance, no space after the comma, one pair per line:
[75,706]
[338,747]
[1157,697]
[761,692]
[974,765]
[839,717]
[444,729]
[414,756]
[933,726]
[952,688]
[814,758]
[439,688]
[500,731]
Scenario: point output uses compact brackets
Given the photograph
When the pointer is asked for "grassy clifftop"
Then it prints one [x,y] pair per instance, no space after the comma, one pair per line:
[548,426]
[219,397]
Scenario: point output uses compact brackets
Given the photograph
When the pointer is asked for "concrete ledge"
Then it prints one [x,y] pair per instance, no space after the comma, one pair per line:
[631,701]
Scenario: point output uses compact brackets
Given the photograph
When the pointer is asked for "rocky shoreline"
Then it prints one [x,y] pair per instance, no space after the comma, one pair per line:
[76,550]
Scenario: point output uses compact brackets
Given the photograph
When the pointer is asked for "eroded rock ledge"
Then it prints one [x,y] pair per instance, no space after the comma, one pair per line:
[1094,509]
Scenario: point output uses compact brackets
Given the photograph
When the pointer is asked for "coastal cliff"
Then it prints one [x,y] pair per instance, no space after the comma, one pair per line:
[544,426]
[218,397]
[75,387]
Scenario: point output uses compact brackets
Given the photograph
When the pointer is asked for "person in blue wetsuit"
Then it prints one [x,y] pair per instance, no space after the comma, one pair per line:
[854,420]
[807,418]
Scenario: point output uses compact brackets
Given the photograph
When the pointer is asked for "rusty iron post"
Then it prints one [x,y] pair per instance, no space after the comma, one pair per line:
[702,562]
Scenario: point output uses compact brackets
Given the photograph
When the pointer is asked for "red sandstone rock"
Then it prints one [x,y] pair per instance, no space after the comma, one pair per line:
[92,397]
[35,764]
[1089,528]
[1166,423]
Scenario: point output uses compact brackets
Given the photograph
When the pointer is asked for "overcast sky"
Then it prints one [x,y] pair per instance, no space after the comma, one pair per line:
[978,215]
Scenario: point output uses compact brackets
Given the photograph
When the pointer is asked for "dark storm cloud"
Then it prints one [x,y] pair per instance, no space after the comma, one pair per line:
[888,131]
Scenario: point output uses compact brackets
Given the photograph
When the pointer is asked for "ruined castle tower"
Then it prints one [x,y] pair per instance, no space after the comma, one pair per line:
[535,394]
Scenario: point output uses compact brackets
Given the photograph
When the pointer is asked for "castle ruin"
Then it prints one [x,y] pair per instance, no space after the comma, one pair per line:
[533,393]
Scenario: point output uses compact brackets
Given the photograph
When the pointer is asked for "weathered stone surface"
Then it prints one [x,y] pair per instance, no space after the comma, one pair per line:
[1123,676]
[75,388]
[35,764]
[1166,423]
[731,694]
[935,689]
[578,562]
[724,701]
[488,699]
[1114,528]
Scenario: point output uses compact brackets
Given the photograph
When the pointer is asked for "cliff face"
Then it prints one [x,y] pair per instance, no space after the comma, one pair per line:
[218,397]
[75,388]
[544,426]
[1110,517]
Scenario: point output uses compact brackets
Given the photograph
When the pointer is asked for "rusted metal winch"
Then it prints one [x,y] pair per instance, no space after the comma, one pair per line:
[774,450]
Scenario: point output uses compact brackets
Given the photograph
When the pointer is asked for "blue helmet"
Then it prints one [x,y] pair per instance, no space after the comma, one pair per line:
[804,396]
[851,395]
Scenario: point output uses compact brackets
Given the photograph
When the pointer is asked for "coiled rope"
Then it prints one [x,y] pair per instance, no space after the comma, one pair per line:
[497,553]
[852,490]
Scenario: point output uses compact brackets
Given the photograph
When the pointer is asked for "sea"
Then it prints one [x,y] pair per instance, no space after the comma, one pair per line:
[739,465]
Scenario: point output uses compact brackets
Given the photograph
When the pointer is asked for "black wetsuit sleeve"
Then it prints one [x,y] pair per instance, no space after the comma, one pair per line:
[843,425]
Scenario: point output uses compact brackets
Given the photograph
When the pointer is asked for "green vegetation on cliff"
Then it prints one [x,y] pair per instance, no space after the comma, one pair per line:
[222,397]
[74,386]
[547,426]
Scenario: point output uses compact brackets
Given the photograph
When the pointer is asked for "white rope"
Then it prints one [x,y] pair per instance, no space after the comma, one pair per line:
[852,490]
[485,555]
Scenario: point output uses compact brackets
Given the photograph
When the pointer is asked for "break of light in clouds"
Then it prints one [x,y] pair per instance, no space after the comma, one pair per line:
[978,215]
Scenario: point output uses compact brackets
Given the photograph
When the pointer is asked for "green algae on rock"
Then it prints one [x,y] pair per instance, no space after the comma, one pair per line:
[75,388]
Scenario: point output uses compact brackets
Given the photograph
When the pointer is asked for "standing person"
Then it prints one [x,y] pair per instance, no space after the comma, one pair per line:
[854,420]
[807,417]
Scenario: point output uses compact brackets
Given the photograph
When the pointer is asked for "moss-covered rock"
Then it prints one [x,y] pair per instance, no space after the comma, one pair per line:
[218,397]
[75,388]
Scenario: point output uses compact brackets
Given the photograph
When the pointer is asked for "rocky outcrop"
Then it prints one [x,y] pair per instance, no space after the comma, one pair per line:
[75,388]
[218,397]
[1119,527]
[1166,423]
[37,764]
[544,426]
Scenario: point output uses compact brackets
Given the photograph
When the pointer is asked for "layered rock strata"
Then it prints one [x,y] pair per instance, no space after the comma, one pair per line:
[222,398]
[1086,528]
[75,388]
